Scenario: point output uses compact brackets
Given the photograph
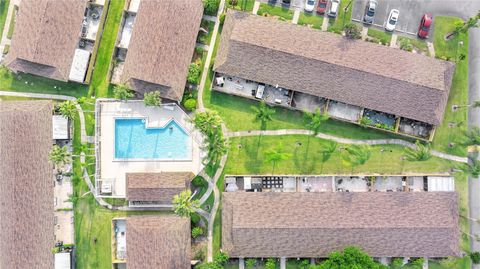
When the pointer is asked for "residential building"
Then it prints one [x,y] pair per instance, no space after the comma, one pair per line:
[296,67]
[296,225]
[155,45]
[26,185]
[157,241]
[55,38]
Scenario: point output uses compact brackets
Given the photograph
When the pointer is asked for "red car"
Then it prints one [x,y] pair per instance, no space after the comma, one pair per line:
[424,27]
[322,6]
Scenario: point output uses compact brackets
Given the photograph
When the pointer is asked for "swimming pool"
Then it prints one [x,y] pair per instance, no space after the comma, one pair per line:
[134,141]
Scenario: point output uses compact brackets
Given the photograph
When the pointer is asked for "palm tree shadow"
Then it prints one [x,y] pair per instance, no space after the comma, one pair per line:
[252,161]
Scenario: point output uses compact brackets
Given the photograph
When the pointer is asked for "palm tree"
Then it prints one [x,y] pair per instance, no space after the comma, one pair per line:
[471,168]
[68,109]
[263,114]
[122,92]
[462,27]
[276,155]
[184,205]
[356,155]
[420,153]
[314,123]
[59,156]
[475,104]
[216,148]
[326,151]
[208,122]
[471,137]
[152,98]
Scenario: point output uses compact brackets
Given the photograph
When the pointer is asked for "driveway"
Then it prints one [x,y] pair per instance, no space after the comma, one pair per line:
[294,4]
[411,11]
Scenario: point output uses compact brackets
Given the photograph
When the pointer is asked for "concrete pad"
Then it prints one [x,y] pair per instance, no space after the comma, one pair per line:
[431,50]
[393,41]
[241,261]
[296,16]
[283,263]
[256,6]
[364,32]
[325,23]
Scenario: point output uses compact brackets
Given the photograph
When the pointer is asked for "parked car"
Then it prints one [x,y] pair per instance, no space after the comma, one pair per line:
[392,20]
[286,2]
[370,11]
[333,9]
[309,5]
[322,6]
[260,90]
[425,24]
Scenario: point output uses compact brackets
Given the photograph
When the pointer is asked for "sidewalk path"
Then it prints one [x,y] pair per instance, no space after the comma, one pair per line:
[4,40]
[296,16]
[344,140]
[256,6]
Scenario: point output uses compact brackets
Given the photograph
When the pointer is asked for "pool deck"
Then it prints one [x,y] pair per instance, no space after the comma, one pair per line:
[113,170]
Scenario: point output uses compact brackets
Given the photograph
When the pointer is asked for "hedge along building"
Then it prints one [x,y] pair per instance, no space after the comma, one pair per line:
[304,69]
[155,45]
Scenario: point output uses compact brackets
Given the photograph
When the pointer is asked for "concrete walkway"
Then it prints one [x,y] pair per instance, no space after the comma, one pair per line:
[325,23]
[393,41]
[200,45]
[345,140]
[431,50]
[296,16]
[474,121]
[364,32]
[256,6]
[4,40]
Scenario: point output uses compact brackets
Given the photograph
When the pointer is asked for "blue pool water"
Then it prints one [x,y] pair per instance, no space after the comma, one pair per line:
[134,141]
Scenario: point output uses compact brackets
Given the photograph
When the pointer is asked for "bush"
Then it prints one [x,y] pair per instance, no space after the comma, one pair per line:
[211,7]
[222,18]
[352,31]
[193,73]
[195,218]
[249,263]
[221,258]
[405,44]
[190,104]
[417,262]
[270,264]
[199,182]
[475,256]
[197,231]
[397,263]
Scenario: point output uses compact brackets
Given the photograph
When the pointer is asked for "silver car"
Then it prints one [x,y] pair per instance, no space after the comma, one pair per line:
[370,11]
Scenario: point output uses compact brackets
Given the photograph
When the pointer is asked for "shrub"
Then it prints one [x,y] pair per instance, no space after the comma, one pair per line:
[199,182]
[352,31]
[222,18]
[405,44]
[221,258]
[152,98]
[193,73]
[190,104]
[195,218]
[475,256]
[270,264]
[249,263]
[304,264]
[197,231]
[211,7]
[417,262]
[397,263]
[200,253]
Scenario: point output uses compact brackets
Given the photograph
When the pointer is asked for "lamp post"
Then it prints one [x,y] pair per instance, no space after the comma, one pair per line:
[345,11]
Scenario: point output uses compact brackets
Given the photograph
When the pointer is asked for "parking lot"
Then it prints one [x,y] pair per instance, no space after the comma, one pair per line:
[411,11]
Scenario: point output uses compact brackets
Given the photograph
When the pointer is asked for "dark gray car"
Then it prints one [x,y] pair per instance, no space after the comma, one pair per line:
[370,11]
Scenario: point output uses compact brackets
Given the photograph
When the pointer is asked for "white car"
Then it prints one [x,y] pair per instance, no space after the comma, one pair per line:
[392,20]
[309,5]
[333,10]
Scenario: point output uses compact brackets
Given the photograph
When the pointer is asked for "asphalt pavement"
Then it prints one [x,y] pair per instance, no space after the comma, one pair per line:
[474,121]
[411,11]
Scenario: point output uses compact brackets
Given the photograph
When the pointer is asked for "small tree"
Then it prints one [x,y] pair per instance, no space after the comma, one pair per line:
[263,114]
[152,98]
[475,104]
[475,257]
[122,92]
[190,104]
[471,137]
[275,155]
[68,109]
[208,122]
[184,205]
[352,31]
[314,123]
[271,263]
[356,155]
[420,153]
[211,7]
[221,258]
[193,73]
[471,168]
[250,263]
[59,156]
[216,147]
[197,231]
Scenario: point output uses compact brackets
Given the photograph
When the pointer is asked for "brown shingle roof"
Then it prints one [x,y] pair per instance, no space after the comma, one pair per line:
[162,45]
[26,185]
[331,66]
[158,242]
[158,187]
[45,36]
[400,224]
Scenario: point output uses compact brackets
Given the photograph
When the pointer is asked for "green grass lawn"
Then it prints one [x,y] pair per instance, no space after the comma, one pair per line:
[284,14]
[337,24]
[311,19]
[100,84]
[12,22]
[454,123]
[205,38]
[89,114]
[246,160]
[3,14]
[418,44]
[382,36]
[31,83]
[243,5]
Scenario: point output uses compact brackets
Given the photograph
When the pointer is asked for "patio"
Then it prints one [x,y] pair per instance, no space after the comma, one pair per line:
[93,21]
[388,184]
[415,184]
[236,86]
[379,119]
[277,96]
[351,184]
[415,128]
[344,111]
[120,233]
[307,102]
[127,29]
[316,184]
[64,230]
